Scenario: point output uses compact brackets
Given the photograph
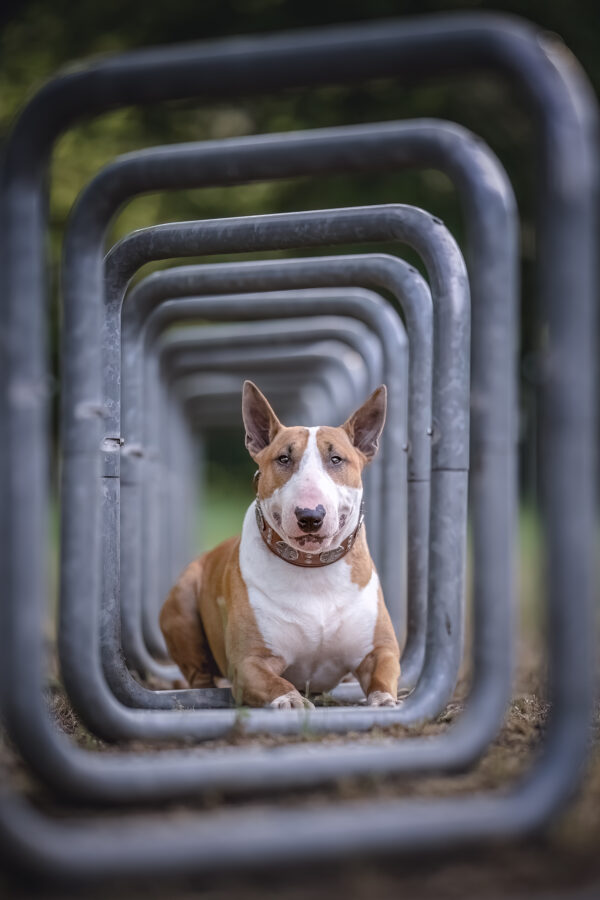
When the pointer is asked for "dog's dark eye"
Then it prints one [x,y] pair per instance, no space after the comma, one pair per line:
[283,459]
[336,460]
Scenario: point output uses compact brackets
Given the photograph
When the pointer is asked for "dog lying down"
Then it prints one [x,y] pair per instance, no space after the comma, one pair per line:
[294,604]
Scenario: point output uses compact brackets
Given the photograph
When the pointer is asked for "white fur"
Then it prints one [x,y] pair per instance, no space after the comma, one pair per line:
[291,700]
[308,487]
[381,698]
[318,620]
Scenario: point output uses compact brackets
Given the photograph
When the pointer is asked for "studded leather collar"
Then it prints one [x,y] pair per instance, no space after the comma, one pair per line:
[284,551]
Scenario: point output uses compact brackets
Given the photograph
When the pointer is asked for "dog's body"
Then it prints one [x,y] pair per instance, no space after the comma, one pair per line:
[294,604]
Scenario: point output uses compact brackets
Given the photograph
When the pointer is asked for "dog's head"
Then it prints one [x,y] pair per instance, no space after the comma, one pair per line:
[310,485]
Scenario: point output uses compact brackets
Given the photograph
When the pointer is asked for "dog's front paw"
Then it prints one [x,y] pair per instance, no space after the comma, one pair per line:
[380,698]
[291,700]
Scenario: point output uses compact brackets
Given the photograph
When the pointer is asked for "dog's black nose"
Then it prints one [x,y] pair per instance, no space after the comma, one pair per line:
[310,520]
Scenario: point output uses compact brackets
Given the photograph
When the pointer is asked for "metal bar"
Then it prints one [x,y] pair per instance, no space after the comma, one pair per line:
[212,393]
[132,784]
[451,369]
[213,400]
[490,213]
[552,81]
[497,206]
[406,283]
[295,224]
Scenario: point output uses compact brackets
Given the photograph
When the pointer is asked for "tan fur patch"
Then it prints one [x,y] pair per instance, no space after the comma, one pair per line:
[359,559]
[380,669]
[335,442]
[210,627]
[183,630]
[273,474]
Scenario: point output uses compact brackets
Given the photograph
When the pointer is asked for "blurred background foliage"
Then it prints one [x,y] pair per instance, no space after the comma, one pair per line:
[41,36]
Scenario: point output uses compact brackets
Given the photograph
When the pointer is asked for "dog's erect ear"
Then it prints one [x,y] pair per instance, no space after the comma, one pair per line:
[260,421]
[365,425]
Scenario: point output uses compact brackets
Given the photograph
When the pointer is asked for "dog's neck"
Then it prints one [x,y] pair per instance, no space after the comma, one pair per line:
[289,554]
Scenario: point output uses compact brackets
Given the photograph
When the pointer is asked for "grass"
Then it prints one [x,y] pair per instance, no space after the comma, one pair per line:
[224,505]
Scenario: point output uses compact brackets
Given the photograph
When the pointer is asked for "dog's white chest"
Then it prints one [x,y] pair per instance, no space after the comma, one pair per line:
[318,620]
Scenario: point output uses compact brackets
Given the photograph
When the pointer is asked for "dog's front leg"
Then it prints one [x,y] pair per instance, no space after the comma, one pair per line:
[379,671]
[378,675]
[257,681]
[254,669]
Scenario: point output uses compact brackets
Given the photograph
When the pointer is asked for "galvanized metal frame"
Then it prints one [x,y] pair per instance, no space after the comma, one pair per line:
[551,80]
[441,255]
[490,223]
[417,304]
[213,400]
[496,197]
[345,262]
[132,783]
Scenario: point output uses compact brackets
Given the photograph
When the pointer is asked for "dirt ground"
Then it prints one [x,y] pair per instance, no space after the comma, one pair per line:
[564,863]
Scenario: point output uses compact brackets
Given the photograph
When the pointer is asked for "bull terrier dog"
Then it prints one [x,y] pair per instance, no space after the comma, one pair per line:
[294,604]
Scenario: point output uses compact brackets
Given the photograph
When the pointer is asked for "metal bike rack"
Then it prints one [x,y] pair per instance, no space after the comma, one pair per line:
[213,400]
[131,785]
[490,215]
[450,454]
[558,92]
[485,193]
[489,209]
[419,304]
[453,146]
